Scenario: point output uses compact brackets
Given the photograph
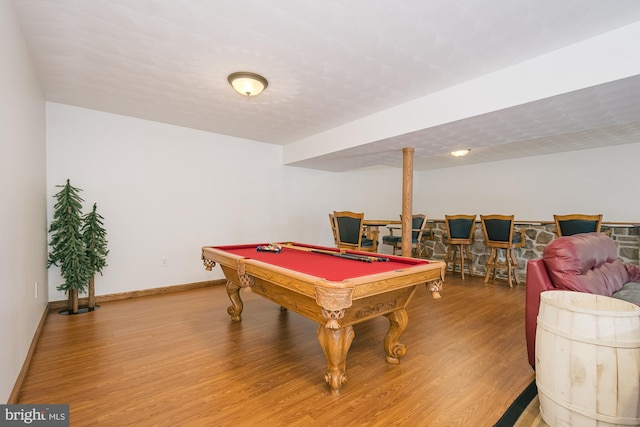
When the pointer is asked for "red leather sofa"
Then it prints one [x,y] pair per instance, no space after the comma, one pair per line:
[583,263]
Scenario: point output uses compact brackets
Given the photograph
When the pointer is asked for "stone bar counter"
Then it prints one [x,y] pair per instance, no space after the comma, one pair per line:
[537,235]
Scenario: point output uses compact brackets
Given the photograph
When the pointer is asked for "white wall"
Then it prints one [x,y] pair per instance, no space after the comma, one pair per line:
[311,195]
[602,180]
[23,244]
[165,191]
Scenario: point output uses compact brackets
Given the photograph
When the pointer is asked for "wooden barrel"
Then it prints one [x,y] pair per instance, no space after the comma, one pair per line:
[588,360]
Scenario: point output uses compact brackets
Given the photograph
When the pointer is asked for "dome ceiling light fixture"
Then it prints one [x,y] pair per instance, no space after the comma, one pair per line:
[460,153]
[248,84]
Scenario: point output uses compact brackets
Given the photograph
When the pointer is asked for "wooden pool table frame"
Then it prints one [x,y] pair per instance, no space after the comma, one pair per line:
[335,306]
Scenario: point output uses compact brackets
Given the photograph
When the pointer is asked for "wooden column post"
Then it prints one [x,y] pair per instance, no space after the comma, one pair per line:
[407,199]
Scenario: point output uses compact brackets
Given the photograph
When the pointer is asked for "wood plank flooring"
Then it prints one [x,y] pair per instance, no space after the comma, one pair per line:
[178,360]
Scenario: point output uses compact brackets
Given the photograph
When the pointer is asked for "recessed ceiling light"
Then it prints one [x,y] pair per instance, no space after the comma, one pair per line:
[460,153]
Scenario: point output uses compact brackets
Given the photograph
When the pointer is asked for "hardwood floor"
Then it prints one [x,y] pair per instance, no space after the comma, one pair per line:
[178,360]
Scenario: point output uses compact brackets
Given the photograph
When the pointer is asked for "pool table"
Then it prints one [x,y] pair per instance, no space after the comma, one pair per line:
[335,291]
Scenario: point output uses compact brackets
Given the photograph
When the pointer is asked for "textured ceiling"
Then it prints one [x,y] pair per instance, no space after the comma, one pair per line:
[330,64]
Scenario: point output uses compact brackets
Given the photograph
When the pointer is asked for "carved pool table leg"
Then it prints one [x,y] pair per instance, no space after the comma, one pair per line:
[398,320]
[234,310]
[435,287]
[335,344]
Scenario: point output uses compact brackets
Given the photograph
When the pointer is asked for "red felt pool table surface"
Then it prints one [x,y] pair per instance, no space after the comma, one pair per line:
[320,265]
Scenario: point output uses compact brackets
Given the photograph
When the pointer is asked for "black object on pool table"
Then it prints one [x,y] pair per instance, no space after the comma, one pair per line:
[364,258]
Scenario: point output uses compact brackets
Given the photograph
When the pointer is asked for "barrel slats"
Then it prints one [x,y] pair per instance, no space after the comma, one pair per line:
[588,360]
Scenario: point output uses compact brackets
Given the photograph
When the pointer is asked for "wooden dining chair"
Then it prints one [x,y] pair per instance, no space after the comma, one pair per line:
[418,228]
[349,231]
[568,225]
[500,237]
[459,238]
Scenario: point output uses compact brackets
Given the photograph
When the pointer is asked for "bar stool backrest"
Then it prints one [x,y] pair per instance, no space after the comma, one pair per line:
[568,225]
[418,223]
[349,228]
[460,228]
[498,230]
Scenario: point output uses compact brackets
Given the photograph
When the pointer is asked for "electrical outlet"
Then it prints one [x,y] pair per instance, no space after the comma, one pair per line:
[36,286]
[164,262]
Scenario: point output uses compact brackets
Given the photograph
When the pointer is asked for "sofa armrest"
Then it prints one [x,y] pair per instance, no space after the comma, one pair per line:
[538,281]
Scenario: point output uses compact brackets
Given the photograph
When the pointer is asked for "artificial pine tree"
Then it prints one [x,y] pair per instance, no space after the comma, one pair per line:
[95,242]
[69,252]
